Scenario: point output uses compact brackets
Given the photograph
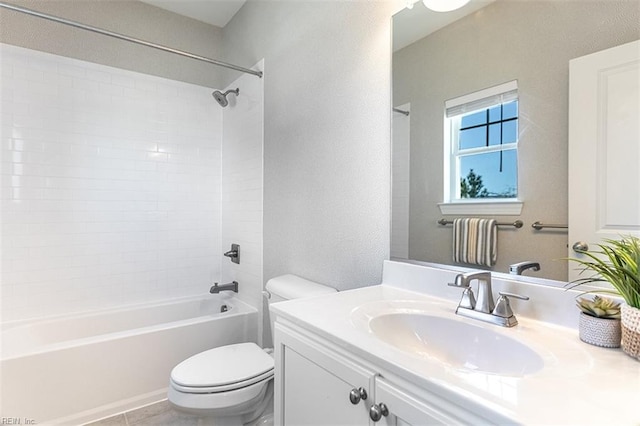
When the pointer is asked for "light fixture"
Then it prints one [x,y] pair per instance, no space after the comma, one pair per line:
[410,3]
[444,5]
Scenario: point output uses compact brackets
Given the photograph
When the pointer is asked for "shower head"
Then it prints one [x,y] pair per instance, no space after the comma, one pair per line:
[221,98]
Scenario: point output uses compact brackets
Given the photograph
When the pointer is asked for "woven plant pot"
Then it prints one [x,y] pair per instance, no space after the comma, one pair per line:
[603,332]
[631,331]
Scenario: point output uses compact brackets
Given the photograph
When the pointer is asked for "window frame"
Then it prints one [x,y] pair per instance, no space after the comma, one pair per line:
[454,110]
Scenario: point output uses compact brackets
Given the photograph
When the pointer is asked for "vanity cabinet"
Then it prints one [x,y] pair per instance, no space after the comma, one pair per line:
[320,383]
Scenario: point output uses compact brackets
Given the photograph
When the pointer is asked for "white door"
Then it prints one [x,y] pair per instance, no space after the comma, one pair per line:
[604,147]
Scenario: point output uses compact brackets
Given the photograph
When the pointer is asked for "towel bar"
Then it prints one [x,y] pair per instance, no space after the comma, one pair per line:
[538,226]
[516,224]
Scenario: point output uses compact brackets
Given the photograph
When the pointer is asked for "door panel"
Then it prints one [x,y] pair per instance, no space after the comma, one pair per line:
[604,146]
[316,396]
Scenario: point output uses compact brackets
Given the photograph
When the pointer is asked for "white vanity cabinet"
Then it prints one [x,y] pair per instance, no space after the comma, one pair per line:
[317,382]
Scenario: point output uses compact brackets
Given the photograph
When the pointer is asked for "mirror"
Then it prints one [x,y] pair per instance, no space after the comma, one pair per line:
[486,44]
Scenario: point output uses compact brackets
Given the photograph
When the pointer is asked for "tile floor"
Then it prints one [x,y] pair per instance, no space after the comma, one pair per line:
[161,414]
[158,414]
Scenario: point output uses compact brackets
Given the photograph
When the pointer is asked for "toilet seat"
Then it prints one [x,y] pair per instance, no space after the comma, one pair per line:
[223,369]
[223,388]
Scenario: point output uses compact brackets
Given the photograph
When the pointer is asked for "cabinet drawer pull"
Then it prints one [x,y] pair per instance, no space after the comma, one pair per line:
[356,395]
[377,411]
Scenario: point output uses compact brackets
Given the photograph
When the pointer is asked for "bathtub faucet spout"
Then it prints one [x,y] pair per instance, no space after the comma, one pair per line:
[232,286]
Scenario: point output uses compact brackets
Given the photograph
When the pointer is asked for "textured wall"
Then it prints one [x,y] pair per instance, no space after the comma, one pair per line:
[327,130]
[132,18]
[531,41]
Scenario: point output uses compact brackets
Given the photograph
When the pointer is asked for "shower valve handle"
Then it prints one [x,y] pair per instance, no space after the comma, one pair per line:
[234,253]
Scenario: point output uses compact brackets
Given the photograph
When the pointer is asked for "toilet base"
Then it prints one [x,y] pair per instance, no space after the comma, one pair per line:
[265,420]
[238,415]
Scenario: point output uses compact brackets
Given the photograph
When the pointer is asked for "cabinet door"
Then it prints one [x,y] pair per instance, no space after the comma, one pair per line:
[406,409]
[313,384]
[317,396]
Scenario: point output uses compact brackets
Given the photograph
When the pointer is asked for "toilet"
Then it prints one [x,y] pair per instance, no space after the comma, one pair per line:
[233,385]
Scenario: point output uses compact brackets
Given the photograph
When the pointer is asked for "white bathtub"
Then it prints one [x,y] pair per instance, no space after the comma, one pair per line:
[70,370]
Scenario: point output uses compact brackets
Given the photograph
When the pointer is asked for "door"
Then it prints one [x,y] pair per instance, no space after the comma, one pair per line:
[604,147]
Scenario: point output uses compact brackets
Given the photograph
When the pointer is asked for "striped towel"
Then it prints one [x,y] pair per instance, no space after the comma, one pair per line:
[475,241]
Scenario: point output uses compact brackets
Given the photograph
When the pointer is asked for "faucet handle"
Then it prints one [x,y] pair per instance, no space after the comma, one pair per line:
[503,307]
[517,296]
[459,282]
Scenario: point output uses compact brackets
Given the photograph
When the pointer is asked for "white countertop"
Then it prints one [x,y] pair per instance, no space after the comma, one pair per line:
[579,383]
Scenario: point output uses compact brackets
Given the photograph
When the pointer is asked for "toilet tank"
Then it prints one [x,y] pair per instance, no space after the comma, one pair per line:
[289,286]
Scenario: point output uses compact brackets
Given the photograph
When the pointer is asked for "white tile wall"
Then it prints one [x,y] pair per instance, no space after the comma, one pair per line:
[110,186]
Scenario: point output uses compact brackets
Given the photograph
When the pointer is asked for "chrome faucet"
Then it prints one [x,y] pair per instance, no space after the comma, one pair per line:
[232,286]
[485,297]
[484,308]
[519,268]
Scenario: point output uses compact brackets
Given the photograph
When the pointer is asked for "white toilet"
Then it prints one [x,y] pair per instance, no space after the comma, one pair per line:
[232,385]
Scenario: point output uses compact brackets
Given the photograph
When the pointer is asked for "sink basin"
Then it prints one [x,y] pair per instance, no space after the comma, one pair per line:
[456,343]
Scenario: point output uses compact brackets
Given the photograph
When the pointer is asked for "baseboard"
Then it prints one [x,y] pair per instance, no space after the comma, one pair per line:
[110,410]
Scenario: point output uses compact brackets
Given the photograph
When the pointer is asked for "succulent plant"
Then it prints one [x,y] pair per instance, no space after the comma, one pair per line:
[600,307]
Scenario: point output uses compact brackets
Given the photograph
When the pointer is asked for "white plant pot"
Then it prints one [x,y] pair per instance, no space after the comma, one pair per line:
[603,332]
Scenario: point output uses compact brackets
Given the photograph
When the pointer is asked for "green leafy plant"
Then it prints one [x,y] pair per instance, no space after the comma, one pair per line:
[600,307]
[616,262]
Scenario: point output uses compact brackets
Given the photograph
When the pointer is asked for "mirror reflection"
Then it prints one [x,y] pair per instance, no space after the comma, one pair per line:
[488,44]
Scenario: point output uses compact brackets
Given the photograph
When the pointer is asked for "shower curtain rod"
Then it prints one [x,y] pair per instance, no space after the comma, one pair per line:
[127,38]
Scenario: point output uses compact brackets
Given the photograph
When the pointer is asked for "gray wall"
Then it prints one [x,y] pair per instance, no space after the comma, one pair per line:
[531,41]
[131,18]
[327,130]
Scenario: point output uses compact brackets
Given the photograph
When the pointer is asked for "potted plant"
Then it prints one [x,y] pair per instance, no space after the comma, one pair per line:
[600,322]
[616,262]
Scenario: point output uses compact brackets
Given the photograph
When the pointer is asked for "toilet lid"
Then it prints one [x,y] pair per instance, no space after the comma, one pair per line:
[223,366]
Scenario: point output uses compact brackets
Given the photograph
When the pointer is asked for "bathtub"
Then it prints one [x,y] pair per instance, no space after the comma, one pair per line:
[75,369]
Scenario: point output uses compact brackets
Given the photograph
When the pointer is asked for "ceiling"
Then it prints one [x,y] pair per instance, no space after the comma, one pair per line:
[214,12]
[409,25]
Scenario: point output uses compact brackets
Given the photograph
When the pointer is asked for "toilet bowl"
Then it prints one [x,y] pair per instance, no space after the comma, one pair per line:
[233,384]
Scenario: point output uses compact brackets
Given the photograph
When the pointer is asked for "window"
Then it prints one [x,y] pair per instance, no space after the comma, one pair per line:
[481,146]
